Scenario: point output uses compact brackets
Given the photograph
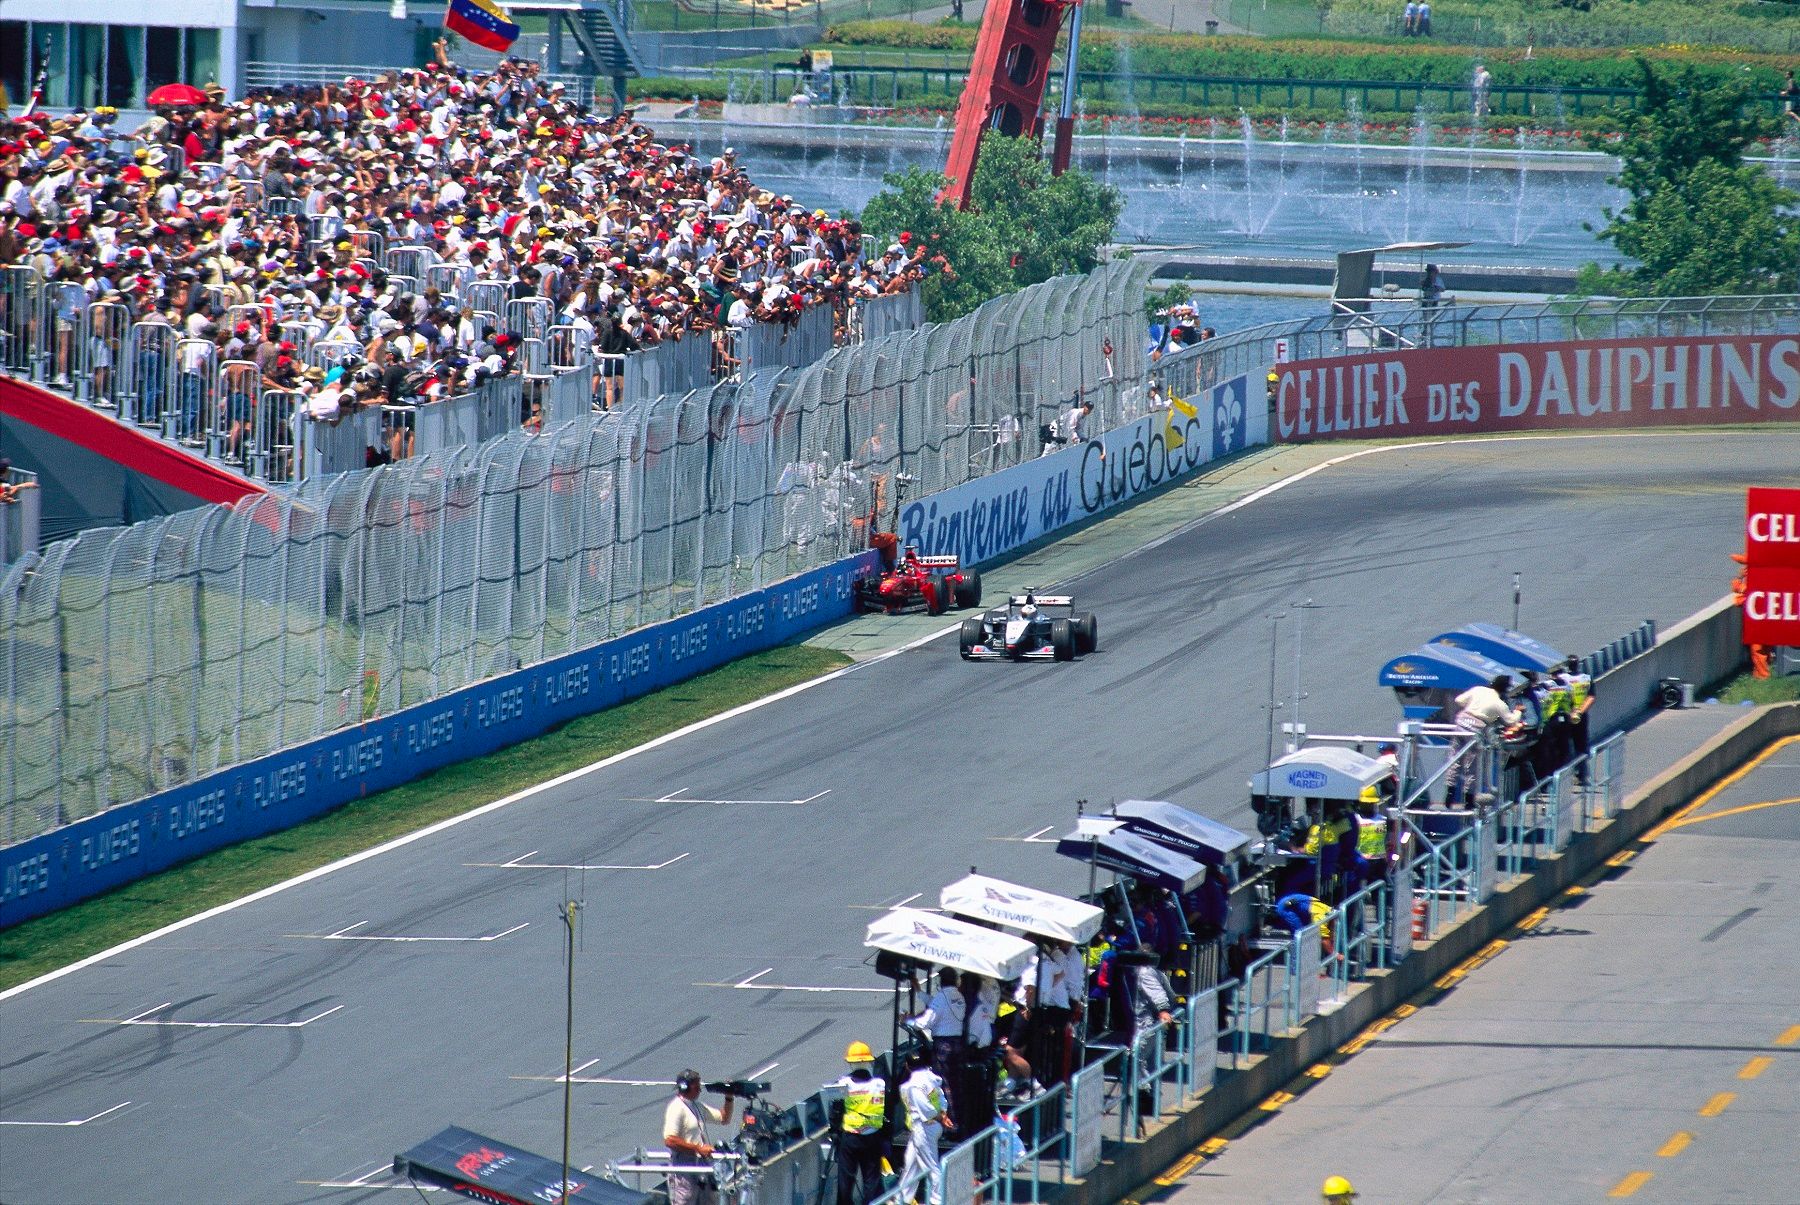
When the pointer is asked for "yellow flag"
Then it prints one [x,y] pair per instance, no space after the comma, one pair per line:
[1171,433]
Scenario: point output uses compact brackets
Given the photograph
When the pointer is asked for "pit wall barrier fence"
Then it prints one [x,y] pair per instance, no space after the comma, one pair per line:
[295,784]
[1158,1093]
[1069,1142]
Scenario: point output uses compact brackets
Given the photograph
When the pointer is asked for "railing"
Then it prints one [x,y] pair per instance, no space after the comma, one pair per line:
[888,86]
[147,373]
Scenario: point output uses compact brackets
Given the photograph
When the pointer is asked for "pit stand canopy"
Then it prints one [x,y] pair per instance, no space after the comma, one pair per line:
[487,1169]
[1440,667]
[1321,772]
[1109,845]
[1036,912]
[1509,648]
[1174,827]
[945,941]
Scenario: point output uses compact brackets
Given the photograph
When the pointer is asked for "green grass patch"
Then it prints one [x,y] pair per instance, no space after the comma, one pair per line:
[40,946]
[1778,688]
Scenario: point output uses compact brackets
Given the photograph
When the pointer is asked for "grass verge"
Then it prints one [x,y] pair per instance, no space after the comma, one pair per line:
[1780,688]
[40,946]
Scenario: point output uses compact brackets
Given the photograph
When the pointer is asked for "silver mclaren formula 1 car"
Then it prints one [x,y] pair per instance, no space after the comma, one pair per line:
[1030,625]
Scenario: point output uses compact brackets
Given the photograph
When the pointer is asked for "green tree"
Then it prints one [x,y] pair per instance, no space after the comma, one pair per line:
[1022,226]
[1697,218]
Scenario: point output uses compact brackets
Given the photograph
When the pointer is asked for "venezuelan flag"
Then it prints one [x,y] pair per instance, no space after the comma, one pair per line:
[483,22]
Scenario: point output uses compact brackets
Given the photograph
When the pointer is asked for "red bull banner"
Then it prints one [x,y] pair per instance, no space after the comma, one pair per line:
[1593,385]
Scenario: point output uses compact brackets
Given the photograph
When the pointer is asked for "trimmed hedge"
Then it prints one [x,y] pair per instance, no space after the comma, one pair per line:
[1323,59]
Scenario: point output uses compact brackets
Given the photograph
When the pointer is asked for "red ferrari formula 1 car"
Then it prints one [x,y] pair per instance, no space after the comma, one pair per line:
[932,584]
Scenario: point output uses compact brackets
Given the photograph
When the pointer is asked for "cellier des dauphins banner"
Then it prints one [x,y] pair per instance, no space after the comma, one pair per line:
[1586,386]
[1772,566]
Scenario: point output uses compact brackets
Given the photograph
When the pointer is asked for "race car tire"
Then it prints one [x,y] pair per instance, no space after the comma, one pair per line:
[937,596]
[968,591]
[1087,632]
[970,636]
[1062,639]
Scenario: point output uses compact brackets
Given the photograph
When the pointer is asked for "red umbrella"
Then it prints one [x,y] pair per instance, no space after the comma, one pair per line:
[177,94]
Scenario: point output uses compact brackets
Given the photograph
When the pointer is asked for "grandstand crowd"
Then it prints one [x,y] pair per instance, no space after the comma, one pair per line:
[258,226]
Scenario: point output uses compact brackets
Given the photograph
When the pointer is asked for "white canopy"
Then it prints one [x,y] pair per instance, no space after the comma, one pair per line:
[945,941]
[1053,916]
[1321,772]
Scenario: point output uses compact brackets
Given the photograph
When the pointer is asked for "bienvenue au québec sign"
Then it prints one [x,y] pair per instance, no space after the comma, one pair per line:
[1592,385]
[992,515]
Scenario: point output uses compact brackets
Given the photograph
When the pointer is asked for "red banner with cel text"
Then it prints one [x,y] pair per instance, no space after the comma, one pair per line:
[1587,386]
[1772,528]
[1771,606]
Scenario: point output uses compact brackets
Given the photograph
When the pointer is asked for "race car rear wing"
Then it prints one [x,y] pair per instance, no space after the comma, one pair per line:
[1044,600]
[939,562]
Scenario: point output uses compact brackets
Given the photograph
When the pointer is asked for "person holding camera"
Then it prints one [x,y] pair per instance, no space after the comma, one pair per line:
[684,1133]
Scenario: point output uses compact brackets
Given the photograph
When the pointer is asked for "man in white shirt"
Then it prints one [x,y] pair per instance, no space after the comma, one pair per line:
[1478,709]
[684,1133]
[927,1117]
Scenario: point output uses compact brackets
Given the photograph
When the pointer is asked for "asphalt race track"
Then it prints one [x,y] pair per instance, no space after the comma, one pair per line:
[301,1040]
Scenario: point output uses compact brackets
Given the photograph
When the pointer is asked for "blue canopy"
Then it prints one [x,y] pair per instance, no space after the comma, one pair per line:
[1131,854]
[1174,827]
[1440,667]
[1513,649]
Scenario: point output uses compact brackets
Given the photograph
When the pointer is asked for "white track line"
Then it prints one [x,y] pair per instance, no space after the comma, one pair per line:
[69,1124]
[138,1019]
[519,863]
[345,934]
[751,985]
[722,717]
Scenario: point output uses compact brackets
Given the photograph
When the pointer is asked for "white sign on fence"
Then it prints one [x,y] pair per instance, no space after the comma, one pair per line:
[1085,1120]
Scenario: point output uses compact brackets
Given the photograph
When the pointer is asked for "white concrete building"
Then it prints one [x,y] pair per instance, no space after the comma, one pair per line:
[108,52]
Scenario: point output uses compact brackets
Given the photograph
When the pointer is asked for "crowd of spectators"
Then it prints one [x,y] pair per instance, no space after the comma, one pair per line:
[282,202]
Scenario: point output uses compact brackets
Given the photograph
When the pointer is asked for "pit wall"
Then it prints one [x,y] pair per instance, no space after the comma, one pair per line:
[1595,385]
[982,520]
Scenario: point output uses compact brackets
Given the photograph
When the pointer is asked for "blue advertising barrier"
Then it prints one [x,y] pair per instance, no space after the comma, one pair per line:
[990,516]
[276,792]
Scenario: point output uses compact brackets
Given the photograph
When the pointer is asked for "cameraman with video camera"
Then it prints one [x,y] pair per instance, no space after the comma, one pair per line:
[684,1133]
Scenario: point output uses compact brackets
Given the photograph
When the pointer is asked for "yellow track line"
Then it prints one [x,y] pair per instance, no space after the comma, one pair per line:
[1707,796]
[1630,1184]
[1755,1067]
[1789,1036]
[1675,1145]
[1718,1104]
[1737,811]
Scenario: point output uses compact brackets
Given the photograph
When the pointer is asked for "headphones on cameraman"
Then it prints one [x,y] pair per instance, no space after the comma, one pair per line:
[687,1081]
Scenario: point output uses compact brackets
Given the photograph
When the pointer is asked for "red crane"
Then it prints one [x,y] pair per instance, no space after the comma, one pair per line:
[1005,91]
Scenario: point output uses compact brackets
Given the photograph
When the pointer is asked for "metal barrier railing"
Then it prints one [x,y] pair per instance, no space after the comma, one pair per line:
[21,514]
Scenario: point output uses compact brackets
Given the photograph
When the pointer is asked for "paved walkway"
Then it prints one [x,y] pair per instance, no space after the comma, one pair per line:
[1640,1040]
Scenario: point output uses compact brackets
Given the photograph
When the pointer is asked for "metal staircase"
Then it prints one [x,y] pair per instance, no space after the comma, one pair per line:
[601,33]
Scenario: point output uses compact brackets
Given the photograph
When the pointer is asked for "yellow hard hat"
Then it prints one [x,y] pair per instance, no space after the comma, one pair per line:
[859,1052]
[1337,1187]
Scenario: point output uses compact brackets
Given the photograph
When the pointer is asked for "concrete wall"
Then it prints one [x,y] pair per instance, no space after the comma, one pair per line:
[1701,649]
